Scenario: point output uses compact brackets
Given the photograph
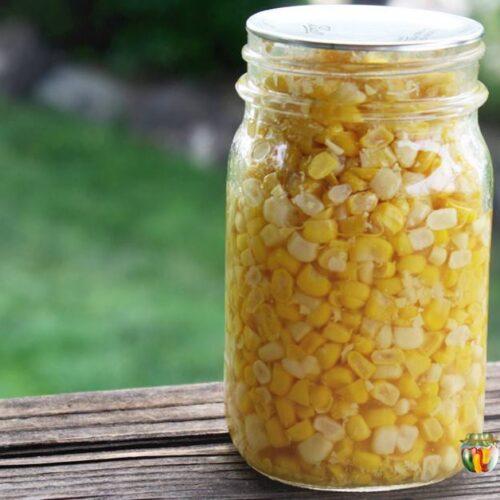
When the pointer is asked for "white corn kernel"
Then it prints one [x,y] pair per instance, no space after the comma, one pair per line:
[294,367]
[449,457]
[337,264]
[408,337]
[459,258]
[444,218]
[308,203]
[279,211]
[438,256]
[388,372]
[461,240]
[451,384]
[434,373]
[255,433]
[383,338]
[421,238]
[362,202]
[475,376]
[384,439]
[406,153]
[386,393]
[370,327]
[252,192]
[386,183]
[301,249]
[430,467]
[310,365]
[402,407]
[262,372]
[365,271]
[458,336]
[338,194]
[329,428]
[418,212]
[253,276]
[315,449]
[272,351]
[406,438]
[299,330]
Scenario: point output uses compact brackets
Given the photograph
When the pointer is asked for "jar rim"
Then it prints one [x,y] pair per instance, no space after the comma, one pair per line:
[364,27]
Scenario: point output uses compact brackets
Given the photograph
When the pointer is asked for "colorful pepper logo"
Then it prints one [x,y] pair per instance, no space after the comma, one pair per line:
[479,452]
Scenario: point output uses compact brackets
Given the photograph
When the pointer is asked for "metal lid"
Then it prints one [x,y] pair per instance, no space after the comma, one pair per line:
[364,27]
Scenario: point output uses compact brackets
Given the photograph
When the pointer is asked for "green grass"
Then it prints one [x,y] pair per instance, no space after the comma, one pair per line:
[111,259]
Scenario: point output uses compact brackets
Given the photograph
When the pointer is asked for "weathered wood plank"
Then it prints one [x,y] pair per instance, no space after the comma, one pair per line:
[165,442]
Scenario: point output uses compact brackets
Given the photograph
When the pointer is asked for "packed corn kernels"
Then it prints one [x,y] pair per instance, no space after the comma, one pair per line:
[357,276]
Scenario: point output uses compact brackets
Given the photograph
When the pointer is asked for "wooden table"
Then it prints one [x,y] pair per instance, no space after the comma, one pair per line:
[165,442]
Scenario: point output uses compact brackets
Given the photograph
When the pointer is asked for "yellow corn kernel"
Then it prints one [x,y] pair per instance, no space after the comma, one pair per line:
[414,264]
[336,332]
[427,405]
[313,283]
[432,342]
[430,388]
[300,431]
[249,376]
[320,315]
[355,392]
[255,225]
[436,314]
[408,312]
[286,463]
[289,312]
[365,173]
[430,275]
[389,286]
[363,345]
[259,250]
[465,214]
[275,433]
[450,278]
[304,412]
[424,161]
[320,231]
[445,356]
[281,285]
[321,398]
[339,473]
[441,237]
[281,380]
[251,340]
[357,184]
[347,141]
[311,342]
[351,319]
[282,258]
[431,429]
[402,244]
[350,272]
[416,363]
[360,365]
[366,460]
[408,387]
[241,242]
[468,412]
[337,377]
[328,355]
[371,249]
[352,226]
[407,419]
[388,217]
[380,307]
[245,404]
[299,393]
[344,448]
[357,429]
[353,294]
[387,270]
[322,165]
[377,417]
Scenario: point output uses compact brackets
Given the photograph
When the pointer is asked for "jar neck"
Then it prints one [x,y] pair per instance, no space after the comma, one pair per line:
[362,86]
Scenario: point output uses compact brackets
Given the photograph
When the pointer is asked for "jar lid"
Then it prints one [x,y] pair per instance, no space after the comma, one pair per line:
[364,27]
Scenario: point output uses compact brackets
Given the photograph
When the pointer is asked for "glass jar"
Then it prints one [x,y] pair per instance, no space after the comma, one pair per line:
[358,241]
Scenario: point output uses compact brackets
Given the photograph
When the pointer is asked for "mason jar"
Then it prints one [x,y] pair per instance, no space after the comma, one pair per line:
[359,200]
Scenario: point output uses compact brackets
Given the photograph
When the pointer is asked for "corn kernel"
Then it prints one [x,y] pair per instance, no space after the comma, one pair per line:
[408,387]
[328,355]
[275,433]
[329,428]
[385,392]
[407,437]
[408,337]
[353,225]
[320,316]
[281,285]
[320,231]
[323,164]
[368,249]
[436,314]
[438,256]
[355,392]
[354,294]
[338,194]
[281,381]
[414,264]
[357,429]
[388,372]
[337,377]
[377,417]
[299,393]
[321,398]
[272,351]
[300,431]
[313,283]
[366,460]
[347,141]
[384,439]
[358,203]
[336,332]
[301,249]
[315,449]
[386,183]
[391,356]
[431,429]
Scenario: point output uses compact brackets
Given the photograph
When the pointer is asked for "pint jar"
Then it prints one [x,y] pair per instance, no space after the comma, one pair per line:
[358,241]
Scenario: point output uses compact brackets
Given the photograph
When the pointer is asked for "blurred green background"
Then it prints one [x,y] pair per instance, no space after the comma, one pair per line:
[111,254]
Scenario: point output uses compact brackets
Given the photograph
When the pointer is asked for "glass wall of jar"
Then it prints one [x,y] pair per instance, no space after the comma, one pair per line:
[358,241]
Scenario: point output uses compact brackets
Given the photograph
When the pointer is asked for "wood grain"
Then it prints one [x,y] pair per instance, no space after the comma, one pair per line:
[164,442]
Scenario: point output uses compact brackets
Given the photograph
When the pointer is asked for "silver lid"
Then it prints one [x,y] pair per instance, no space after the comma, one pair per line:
[364,27]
